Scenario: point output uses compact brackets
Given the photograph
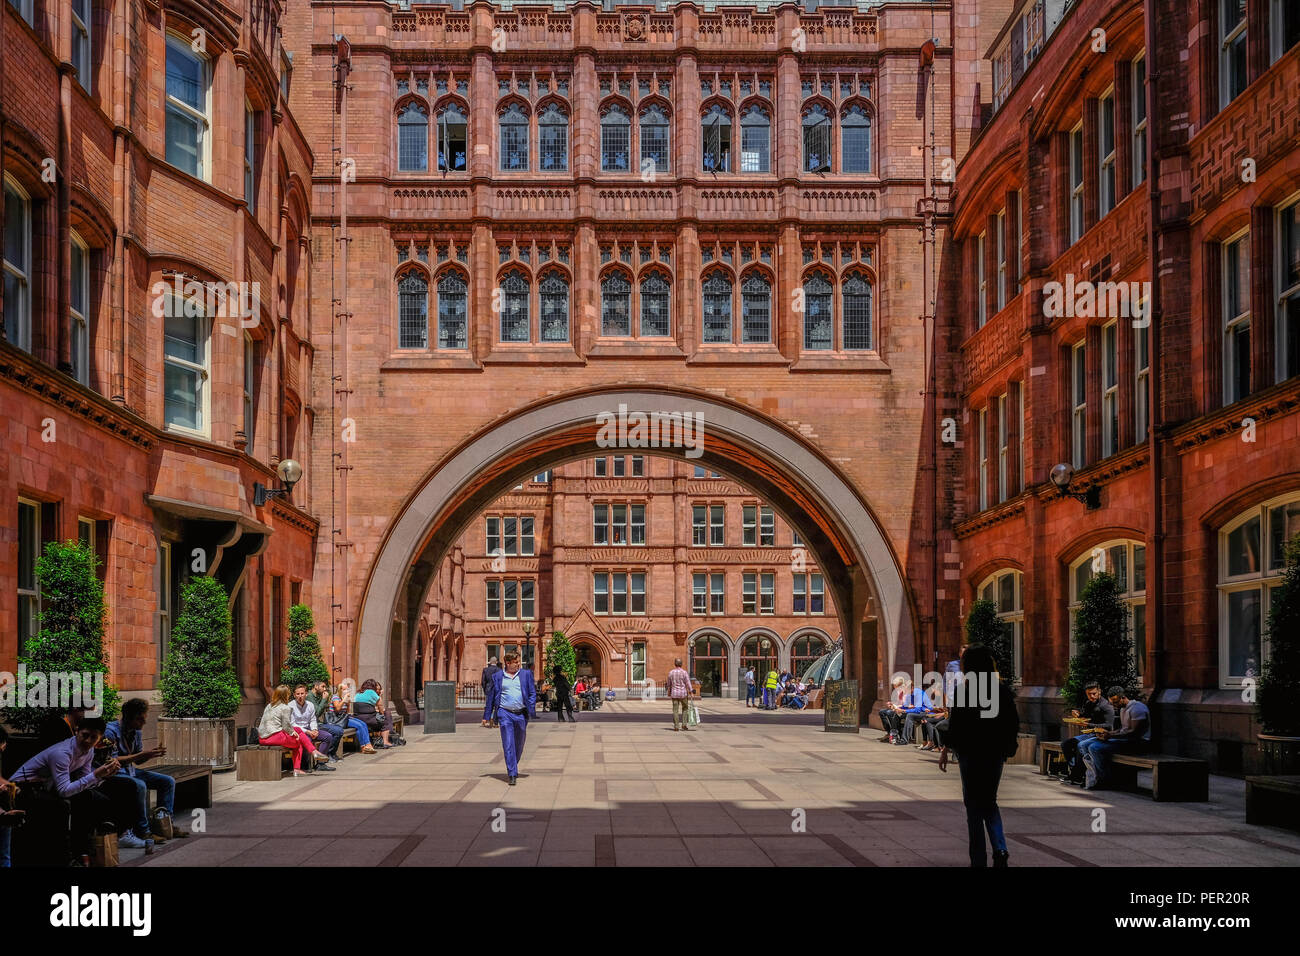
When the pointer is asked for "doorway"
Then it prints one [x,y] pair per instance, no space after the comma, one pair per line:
[708,664]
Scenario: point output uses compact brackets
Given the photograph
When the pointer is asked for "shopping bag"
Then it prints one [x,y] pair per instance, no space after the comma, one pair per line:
[693,715]
[103,849]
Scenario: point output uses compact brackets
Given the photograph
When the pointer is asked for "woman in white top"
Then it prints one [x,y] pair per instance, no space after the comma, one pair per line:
[277,730]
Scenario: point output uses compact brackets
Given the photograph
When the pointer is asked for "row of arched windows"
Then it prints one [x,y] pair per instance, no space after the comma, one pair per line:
[628,147]
[835,315]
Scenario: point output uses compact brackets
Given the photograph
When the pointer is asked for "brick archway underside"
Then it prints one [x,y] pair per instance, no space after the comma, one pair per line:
[830,515]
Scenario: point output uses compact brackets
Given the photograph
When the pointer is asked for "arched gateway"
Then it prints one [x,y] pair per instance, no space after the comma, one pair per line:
[809,492]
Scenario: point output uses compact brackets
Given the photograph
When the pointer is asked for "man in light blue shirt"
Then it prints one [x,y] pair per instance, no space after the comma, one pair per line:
[512,695]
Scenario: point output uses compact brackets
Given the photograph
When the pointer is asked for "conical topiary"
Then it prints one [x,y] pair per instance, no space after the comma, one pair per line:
[983,627]
[1103,648]
[560,651]
[1279,686]
[70,641]
[198,679]
[303,663]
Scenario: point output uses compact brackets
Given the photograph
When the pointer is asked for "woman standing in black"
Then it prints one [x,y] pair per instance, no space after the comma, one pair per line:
[982,728]
[563,695]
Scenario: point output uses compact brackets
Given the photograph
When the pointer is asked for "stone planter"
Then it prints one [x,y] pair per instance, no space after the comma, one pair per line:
[198,740]
[1026,749]
[1280,755]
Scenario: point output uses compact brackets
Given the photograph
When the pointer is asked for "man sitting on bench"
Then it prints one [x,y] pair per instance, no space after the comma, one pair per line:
[1133,736]
[1100,714]
[127,739]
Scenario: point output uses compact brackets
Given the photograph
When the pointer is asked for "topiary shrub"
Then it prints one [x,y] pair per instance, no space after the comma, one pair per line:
[70,639]
[198,679]
[303,663]
[1103,648]
[1279,685]
[560,651]
[983,627]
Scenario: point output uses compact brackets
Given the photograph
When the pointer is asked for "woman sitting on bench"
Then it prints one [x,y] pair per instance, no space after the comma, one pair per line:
[276,729]
[368,707]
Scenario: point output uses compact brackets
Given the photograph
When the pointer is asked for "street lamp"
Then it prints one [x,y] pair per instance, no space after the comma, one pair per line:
[289,471]
[528,644]
[1061,476]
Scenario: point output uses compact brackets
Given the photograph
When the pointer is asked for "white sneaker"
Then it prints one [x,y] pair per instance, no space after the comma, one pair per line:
[130,841]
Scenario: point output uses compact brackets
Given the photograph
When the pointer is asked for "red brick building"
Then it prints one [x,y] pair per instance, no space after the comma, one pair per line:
[634,558]
[1183,418]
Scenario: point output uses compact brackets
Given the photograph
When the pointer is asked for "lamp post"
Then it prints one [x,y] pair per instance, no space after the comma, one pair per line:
[528,645]
[1062,474]
[290,473]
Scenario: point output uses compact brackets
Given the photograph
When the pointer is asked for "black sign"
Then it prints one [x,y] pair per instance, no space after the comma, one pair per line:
[841,707]
[440,707]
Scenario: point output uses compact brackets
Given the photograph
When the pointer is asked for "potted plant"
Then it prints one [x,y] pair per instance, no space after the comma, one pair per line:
[200,691]
[303,663]
[1279,686]
[66,652]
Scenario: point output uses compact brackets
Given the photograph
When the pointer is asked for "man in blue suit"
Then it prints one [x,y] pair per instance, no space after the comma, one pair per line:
[512,696]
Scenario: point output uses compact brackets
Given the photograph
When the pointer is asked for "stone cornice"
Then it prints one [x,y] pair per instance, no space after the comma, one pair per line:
[1262,406]
[990,517]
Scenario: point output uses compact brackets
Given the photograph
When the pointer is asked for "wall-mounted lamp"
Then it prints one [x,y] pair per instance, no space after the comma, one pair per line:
[1061,476]
[289,471]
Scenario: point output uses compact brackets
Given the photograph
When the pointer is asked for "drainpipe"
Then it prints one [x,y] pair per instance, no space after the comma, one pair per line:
[342,317]
[1155,426]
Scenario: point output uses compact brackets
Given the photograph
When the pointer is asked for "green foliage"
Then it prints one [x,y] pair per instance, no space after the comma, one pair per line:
[198,679]
[303,663]
[71,635]
[1279,686]
[560,651]
[1104,648]
[983,627]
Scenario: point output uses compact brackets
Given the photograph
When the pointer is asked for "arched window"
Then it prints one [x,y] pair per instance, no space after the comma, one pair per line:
[755,309]
[555,307]
[717,307]
[654,304]
[817,305]
[413,140]
[615,305]
[856,303]
[1006,590]
[516,323]
[452,314]
[412,311]
[1252,557]
[755,140]
[553,139]
[759,652]
[804,651]
[452,139]
[615,140]
[654,138]
[514,139]
[855,140]
[816,140]
[1127,561]
[716,137]
[708,664]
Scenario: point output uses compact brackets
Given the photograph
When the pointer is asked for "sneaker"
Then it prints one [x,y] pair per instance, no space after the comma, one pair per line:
[130,841]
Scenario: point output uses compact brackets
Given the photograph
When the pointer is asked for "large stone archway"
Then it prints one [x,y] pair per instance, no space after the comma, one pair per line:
[832,517]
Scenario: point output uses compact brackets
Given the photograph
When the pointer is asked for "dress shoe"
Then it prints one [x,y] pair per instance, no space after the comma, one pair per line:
[1000,859]
[512,781]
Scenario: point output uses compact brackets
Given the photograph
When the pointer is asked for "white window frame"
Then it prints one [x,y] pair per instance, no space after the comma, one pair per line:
[164,595]
[767,592]
[1139,108]
[1134,599]
[250,157]
[31,597]
[26,9]
[982,418]
[86,531]
[749,526]
[1109,389]
[766,527]
[1231,321]
[699,592]
[1227,40]
[717,593]
[1285,293]
[81,28]
[982,307]
[1076,184]
[21,332]
[749,593]
[79,320]
[1079,405]
[638,661]
[1276,31]
[699,525]
[1021,402]
[204,118]
[1002,259]
[202,401]
[717,526]
[1142,374]
[1003,450]
[990,590]
[250,391]
[1107,183]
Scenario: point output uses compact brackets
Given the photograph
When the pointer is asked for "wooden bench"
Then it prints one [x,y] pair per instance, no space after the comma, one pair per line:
[1173,778]
[195,777]
[1273,801]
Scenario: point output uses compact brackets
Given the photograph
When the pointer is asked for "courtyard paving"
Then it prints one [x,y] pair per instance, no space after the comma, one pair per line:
[620,788]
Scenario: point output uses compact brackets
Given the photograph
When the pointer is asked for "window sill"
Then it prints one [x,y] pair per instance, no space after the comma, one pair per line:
[612,348]
[738,355]
[454,361]
[840,362]
[533,354]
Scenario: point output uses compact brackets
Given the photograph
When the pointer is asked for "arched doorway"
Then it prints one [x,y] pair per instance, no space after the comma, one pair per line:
[805,648]
[589,658]
[761,652]
[708,663]
[775,462]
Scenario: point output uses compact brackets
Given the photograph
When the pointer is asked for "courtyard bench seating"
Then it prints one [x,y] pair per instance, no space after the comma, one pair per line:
[1274,801]
[1173,778]
[194,780]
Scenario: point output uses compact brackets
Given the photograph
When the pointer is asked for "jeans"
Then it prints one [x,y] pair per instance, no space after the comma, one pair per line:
[681,707]
[890,721]
[329,739]
[1072,753]
[514,731]
[909,726]
[980,775]
[6,834]
[562,705]
[751,694]
[1096,758]
[146,780]
[769,695]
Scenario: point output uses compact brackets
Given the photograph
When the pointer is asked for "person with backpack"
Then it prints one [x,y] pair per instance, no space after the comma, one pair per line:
[983,728]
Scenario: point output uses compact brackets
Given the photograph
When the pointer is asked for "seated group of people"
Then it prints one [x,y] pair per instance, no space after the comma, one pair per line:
[911,708]
[314,722]
[557,694]
[1119,723]
[86,780]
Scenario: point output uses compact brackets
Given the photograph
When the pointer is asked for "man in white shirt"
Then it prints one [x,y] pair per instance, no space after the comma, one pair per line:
[303,713]
[751,688]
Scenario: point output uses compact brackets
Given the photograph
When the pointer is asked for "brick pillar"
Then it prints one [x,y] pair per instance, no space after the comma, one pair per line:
[786,124]
[62,338]
[1014,390]
[1093,389]
[482,263]
[1091,174]
[688,288]
[586,266]
[586,119]
[1046,221]
[1211,326]
[482,100]
[787,280]
[1263,329]
[1124,158]
[990,266]
[1127,373]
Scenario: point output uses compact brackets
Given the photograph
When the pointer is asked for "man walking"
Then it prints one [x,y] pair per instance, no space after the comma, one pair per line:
[679,689]
[485,681]
[751,688]
[512,696]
